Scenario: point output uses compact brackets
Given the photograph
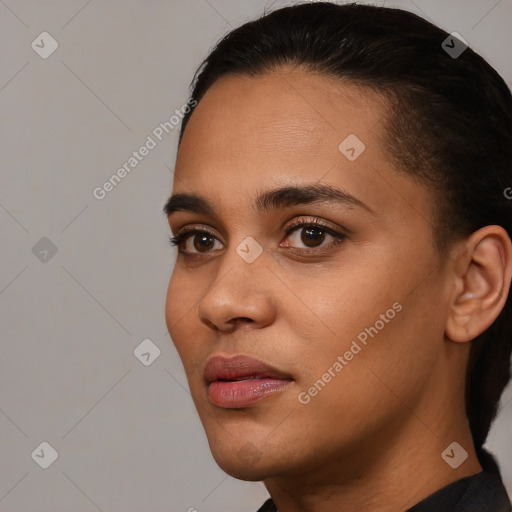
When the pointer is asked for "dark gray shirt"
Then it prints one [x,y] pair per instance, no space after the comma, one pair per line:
[483,492]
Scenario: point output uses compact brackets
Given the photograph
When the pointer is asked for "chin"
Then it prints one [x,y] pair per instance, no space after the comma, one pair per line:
[241,456]
[246,463]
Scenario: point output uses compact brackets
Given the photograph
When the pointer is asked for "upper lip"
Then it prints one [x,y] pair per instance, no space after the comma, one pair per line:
[239,368]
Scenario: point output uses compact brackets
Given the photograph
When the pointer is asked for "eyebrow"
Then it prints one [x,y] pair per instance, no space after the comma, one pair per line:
[274,199]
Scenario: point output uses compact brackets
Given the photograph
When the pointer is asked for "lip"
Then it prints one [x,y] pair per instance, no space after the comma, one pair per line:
[241,381]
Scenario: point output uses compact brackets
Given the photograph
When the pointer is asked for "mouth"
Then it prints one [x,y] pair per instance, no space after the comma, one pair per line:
[241,381]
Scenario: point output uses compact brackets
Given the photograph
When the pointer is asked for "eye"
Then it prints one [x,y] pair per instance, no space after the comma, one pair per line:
[310,233]
[201,240]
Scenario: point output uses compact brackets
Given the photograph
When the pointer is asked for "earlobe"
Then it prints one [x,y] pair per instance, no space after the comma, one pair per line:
[482,281]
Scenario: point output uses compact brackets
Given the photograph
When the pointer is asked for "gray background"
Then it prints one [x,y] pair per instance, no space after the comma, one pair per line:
[127,434]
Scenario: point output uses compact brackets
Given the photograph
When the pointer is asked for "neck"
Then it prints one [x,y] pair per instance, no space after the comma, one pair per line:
[390,479]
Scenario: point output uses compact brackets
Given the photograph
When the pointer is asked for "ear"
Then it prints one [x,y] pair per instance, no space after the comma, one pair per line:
[482,274]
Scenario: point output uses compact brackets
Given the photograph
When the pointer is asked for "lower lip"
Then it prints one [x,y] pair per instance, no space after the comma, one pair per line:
[241,393]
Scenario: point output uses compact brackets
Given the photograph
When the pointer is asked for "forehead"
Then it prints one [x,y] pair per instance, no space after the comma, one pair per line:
[286,127]
[290,110]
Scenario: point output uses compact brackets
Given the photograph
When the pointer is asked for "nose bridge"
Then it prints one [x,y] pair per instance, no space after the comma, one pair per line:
[242,269]
[241,288]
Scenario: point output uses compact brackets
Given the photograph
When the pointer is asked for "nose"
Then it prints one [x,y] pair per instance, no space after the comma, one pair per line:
[241,296]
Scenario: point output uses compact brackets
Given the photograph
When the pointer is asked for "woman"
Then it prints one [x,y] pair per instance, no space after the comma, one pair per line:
[340,299]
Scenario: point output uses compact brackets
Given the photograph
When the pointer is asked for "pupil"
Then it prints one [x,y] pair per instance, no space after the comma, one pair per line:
[203,242]
[310,237]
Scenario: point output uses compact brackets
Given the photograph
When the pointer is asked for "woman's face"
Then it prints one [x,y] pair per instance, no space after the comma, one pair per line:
[349,316]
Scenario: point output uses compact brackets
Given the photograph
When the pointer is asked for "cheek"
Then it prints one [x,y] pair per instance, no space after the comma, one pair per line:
[334,304]
[180,311]
[373,316]
[365,391]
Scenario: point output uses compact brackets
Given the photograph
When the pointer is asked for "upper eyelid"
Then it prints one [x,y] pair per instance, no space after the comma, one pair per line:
[300,221]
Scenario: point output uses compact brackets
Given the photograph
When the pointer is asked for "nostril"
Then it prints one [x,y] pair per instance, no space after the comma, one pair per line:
[211,325]
[241,319]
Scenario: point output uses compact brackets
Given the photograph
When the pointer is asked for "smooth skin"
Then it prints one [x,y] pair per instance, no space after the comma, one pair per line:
[372,438]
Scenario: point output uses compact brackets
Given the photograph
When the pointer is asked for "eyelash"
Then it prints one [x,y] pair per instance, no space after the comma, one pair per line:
[182,236]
